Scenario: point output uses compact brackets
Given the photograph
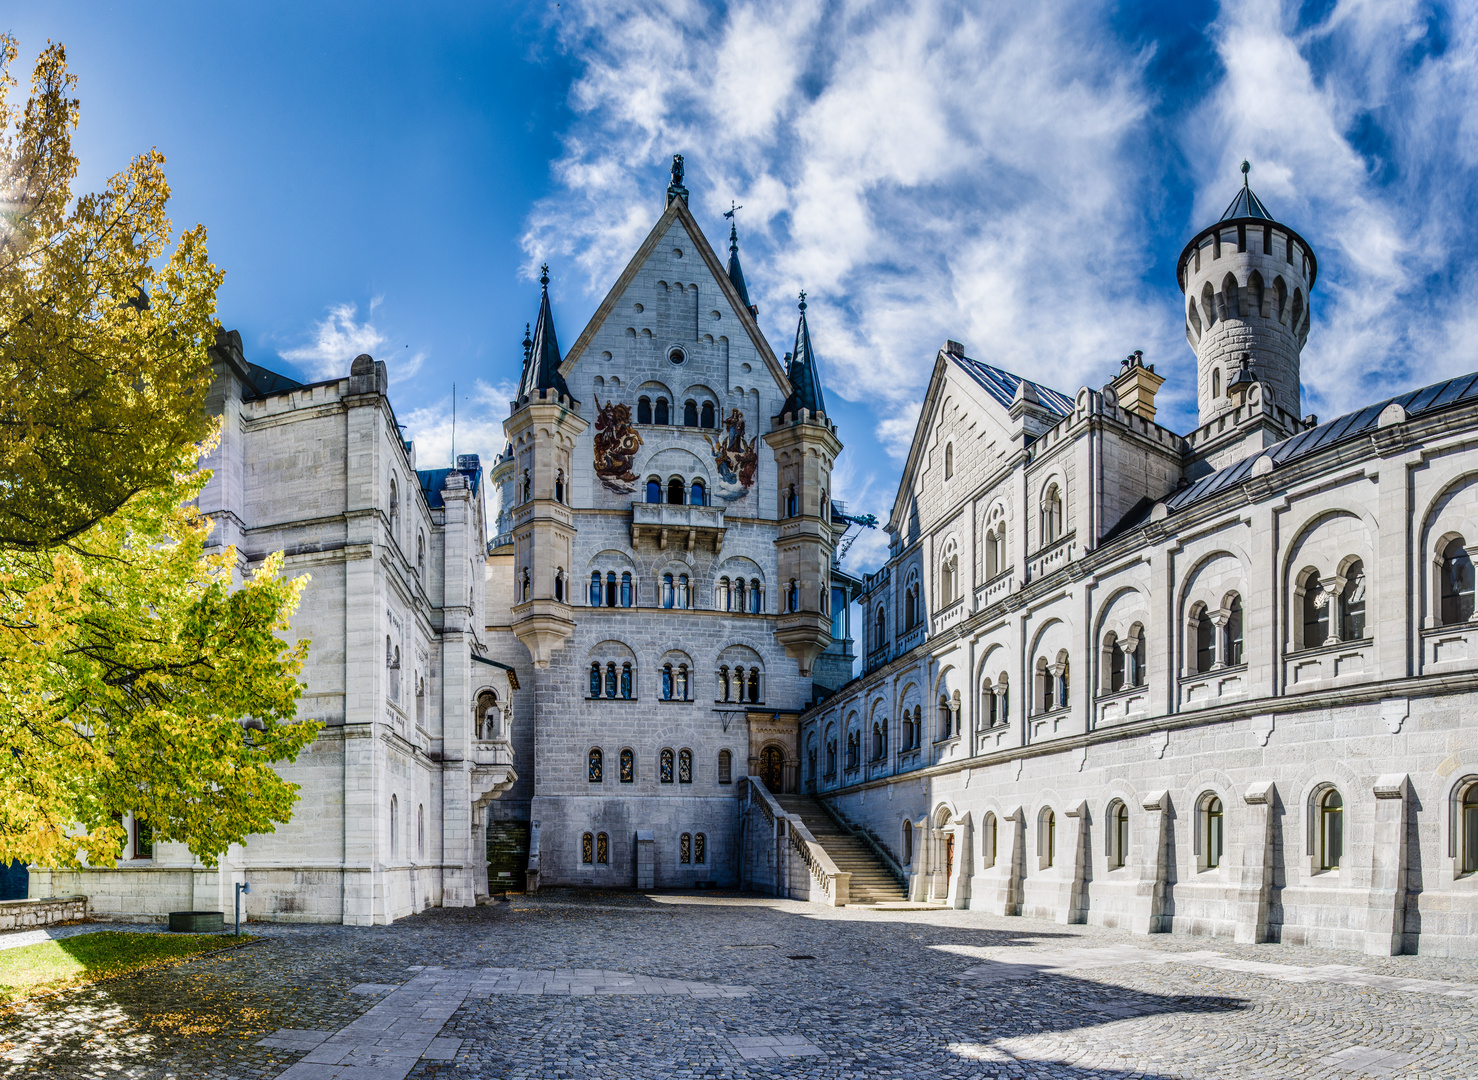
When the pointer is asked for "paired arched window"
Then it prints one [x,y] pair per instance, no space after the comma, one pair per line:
[394,511]
[697,494]
[1052,683]
[1125,659]
[949,575]
[421,553]
[1051,515]
[596,765]
[740,683]
[1331,610]
[675,682]
[995,550]
[692,848]
[1457,583]
[595,849]
[831,755]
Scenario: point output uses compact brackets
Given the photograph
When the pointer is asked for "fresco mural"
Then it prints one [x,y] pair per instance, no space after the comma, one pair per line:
[735,458]
[616,444]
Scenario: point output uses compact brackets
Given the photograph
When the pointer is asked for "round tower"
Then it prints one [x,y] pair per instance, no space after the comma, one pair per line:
[1246,281]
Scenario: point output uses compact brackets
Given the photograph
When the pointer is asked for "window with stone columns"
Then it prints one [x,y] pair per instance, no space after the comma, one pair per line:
[1456,593]
[1352,602]
[949,574]
[1051,515]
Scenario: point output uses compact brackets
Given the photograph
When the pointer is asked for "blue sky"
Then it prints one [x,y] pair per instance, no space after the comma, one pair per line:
[386,178]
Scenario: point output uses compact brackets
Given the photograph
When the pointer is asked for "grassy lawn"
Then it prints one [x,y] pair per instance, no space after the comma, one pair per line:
[49,965]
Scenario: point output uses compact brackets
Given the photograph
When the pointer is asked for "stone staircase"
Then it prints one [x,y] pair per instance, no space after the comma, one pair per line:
[872,883]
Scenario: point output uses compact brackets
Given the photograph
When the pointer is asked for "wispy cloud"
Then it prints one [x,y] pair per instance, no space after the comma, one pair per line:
[339,337]
[480,411]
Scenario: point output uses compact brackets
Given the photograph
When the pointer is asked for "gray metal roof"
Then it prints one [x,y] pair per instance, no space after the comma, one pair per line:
[1246,205]
[1001,385]
[1420,402]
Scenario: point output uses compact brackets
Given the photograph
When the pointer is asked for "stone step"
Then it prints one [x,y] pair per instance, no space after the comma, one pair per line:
[871,882]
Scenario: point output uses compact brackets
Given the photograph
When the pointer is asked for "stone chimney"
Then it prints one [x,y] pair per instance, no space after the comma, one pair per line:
[1136,385]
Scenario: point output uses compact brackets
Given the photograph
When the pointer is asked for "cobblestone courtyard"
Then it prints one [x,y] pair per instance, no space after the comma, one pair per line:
[618,985]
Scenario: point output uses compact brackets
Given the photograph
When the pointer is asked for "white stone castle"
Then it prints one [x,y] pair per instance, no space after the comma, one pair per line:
[1212,683]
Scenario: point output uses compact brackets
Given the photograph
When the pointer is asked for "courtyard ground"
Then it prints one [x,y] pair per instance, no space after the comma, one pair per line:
[575,985]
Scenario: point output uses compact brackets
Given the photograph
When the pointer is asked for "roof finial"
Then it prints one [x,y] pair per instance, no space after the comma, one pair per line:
[733,225]
[528,343]
[803,299]
[1246,168]
[544,276]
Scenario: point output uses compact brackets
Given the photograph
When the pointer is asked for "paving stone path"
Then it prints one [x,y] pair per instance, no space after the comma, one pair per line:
[597,985]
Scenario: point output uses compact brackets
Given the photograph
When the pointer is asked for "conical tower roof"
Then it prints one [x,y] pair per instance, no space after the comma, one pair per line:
[805,372]
[541,354]
[1246,204]
[736,272]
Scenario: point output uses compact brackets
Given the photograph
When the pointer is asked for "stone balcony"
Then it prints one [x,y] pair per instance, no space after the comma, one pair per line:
[684,526]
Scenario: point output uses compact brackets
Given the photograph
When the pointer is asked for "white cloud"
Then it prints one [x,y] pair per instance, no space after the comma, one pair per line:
[336,340]
[480,411]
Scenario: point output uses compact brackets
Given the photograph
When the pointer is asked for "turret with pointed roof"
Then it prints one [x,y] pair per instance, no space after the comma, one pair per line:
[736,272]
[541,358]
[1247,280]
[804,372]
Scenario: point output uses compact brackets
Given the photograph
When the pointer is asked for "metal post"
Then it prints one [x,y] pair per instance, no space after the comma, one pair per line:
[241,887]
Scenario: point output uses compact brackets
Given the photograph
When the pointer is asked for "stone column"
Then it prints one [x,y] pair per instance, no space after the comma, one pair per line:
[1148,915]
[960,874]
[1255,877]
[1386,906]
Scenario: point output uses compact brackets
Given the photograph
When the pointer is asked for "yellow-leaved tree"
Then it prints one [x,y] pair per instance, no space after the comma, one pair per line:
[135,673]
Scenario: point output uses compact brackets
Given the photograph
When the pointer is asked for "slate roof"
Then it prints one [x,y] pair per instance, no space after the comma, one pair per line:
[804,372]
[541,368]
[1246,205]
[1428,399]
[736,272]
[1001,385]
[265,383]
[433,483]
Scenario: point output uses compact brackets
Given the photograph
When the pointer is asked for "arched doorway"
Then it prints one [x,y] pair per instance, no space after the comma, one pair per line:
[772,769]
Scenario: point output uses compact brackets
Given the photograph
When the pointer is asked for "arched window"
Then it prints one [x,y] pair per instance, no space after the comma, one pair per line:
[792,505]
[654,490]
[602,849]
[1115,650]
[675,491]
[1352,603]
[1216,382]
[528,486]
[559,585]
[524,587]
[1046,686]
[394,510]
[700,848]
[1051,515]
[610,588]
[754,685]
[661,415]
[559,486]
[666,682]
[1470,830]
[1231,634]
[1062,684]
[907,733]
[1315,611]
[1331,830]
[1280,298]
[726,767]
[723,598]
[685,849]
[756,596]
[1205,639]
[587,848]
[664,766]
[394,827]
[595,588]
[1211,833]
[706,420]
[946,720]
[690,413]
[628,766]
[626,591]
[682,591]
[1047,841]
[792,597]
[611,679]
[697,494]
[907,844]
[597,763]
[880,629]
[595,680]
[685,766]
[643,410]
[420,553]
[949,575]
[949,460]
[995,551]
[1119,836]
[1208,303]
[1457,584]
[669,591]
[988,841]
[831,757]
[626,689]
[739,599]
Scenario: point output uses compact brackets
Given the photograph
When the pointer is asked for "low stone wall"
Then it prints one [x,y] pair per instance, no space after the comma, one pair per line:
[48,911]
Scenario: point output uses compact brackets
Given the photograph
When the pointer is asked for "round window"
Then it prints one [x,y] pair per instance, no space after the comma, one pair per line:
[676,355]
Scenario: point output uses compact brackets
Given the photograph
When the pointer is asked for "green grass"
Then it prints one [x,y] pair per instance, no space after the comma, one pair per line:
[51,965]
